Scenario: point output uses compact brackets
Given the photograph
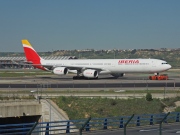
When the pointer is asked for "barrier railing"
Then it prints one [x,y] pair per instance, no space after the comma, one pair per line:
[90,124]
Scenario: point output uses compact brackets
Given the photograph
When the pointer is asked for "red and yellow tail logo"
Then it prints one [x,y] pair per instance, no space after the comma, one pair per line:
[31,55]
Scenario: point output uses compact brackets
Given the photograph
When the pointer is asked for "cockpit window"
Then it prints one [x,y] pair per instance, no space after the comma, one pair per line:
[164,63]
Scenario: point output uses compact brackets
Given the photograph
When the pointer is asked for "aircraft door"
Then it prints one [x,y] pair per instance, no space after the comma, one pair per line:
[153,64]
[113,64]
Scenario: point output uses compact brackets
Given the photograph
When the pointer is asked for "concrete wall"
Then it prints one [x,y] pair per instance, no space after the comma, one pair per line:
[17,108]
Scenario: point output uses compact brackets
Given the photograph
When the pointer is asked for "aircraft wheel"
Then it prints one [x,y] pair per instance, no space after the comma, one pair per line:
[78,77]
[156,74]
[75,77]
[81,77]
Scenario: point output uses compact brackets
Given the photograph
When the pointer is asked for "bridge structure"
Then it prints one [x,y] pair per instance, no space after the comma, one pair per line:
[92,124]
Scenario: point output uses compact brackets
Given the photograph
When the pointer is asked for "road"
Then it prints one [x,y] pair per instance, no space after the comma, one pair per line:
[167,129]
[88,85]
[105,81]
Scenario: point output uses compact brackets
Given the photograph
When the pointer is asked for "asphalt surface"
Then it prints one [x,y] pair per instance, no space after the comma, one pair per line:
[103,82]
[167,129]
[89,85]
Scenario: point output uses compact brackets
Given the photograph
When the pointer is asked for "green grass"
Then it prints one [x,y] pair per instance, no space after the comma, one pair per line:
[170,101]
[177,109]
[77,108]
[21,74]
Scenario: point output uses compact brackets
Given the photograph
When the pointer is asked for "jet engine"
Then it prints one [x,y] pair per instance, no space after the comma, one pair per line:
[116,75]
[60,71]
[89,73]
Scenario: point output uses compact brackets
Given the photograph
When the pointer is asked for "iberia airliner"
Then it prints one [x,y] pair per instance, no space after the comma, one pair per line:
[92,68]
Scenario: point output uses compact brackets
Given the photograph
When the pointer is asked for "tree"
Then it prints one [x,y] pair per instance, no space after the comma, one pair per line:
[149,97]
[133,51]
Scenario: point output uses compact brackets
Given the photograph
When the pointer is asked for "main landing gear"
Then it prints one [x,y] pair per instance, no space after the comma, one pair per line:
[78,77]
[83,78]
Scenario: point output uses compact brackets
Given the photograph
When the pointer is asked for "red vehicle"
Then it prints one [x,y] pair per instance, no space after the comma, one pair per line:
[158,77]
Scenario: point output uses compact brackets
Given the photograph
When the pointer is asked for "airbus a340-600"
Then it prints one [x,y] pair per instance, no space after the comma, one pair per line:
[92,68]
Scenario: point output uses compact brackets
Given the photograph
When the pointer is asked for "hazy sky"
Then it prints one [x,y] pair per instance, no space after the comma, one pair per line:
[89,24]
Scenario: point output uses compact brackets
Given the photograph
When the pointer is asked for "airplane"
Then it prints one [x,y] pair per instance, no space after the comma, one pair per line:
[92,68]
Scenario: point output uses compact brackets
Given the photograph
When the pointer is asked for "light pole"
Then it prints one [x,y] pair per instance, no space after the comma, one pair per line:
[37,97]
[146,85]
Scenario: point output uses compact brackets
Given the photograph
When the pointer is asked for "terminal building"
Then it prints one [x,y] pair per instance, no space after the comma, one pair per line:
[17,62]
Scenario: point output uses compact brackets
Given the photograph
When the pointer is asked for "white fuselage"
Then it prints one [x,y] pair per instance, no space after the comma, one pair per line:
[113,66]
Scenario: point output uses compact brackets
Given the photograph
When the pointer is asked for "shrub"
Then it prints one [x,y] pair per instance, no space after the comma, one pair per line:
[63,99]
[149,97]
[177,109]
[113,102]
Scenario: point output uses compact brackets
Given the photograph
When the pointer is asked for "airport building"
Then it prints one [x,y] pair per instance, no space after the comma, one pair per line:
[18,62]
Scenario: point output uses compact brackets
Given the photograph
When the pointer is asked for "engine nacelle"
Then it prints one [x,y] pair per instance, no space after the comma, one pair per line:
[90,73]
[118,75]
[60,71]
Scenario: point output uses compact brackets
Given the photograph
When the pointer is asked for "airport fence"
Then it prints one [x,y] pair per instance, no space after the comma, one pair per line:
[90,124]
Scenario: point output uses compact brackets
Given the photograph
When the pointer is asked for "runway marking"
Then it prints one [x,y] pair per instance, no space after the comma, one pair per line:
[147,130]
[170,130]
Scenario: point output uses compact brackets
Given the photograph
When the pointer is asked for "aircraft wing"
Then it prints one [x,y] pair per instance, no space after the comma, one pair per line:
[50,67]
[72,67]
[81,68]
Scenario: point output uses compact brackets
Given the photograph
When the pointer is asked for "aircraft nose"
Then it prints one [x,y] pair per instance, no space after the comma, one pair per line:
[169,66]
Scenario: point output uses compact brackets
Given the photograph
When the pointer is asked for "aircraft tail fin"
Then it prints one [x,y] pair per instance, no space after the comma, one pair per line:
[31,55]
